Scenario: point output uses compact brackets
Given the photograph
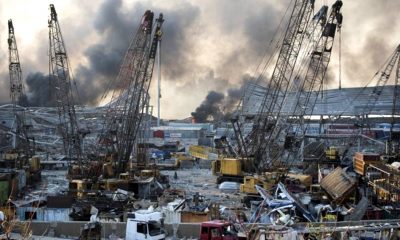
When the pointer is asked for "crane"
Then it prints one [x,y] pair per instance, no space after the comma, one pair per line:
[289,51]
[307,89]
[17,93]
[249,146]
[60,79]
[281,76]
[275,123]
[141,146]
[374,96]
[382,81]
[125,111]
[394,142]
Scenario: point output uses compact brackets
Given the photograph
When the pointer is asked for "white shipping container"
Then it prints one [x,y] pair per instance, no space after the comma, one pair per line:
[57,214]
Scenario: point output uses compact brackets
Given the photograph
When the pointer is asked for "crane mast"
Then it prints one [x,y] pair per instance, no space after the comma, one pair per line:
[393,63]
[16,87]
[281,76]
[125,112]
[60,79]
[17,92]
[142,150]
[394,149]
[382,81]
[307,90]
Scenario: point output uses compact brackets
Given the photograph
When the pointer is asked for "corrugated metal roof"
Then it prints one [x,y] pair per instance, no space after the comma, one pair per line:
[347,101]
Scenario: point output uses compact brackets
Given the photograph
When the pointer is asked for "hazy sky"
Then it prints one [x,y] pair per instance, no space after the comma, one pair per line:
[207,45]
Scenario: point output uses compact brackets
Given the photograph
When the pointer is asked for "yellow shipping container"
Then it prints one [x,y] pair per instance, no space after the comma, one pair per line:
[361,162]
[306,180]
[10,156]
[332,153]
[231,166]
[79,186]
[34,163]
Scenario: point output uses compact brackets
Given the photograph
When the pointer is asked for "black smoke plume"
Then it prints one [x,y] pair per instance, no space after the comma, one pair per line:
[117,28]
[39,90]
[219,106]
[210,108]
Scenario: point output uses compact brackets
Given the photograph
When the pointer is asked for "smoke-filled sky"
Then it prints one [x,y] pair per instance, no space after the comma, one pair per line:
[209,48]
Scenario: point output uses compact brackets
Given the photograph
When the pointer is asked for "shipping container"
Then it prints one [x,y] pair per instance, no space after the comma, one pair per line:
[34,163]
[57,214]
[231,166]
[362,160]
[30,213]
[158,134]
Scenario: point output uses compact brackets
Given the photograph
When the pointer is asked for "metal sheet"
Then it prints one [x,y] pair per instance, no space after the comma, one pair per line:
[338,184]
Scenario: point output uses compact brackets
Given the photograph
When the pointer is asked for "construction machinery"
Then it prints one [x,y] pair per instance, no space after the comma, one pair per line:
[61,83]
[391,153]
[123,120]
[22,143]
[202,152]
[21,157]
[248,149]
[278,84]
[120,155]
[228,169]
[258,150]
[289,129]
[279,135]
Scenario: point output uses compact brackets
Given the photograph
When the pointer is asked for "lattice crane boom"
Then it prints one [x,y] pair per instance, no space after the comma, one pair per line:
[16,86]
[141,152]
[382,81]
[60,79]
[17,92]
[395,149]
[124,114]
[282,75]
[308,88]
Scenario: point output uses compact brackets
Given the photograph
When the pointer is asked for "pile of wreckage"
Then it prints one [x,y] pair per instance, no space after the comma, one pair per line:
[353,201]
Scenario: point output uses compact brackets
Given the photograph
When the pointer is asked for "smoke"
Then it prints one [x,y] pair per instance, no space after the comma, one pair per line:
[117,26]
[364,56]
[228,38]
[375,53]
[39,90]
[219,106]
[182,33]
[4,86]
[4,79]
[209,109]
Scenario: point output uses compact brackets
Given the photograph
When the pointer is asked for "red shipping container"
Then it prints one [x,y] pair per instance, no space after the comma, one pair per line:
[158,134]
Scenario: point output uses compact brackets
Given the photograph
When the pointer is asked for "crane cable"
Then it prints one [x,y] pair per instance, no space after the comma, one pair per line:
[340,59]
[271,56]
[365,87]
[278,36]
